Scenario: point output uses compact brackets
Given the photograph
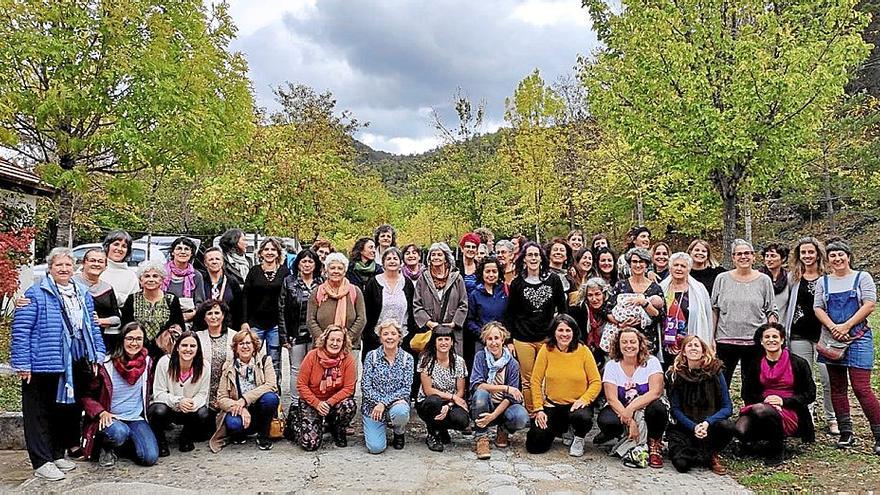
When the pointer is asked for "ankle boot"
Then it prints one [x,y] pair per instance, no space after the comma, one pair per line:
[847,439]
[162,443]
[876,430]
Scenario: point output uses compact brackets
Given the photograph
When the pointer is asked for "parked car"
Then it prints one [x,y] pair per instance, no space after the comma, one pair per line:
[138,254]
[251,243]
[163,242]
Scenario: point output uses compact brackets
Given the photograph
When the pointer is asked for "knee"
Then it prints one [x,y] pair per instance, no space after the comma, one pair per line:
[376,444]
[518,418]
[233,423]
[203,414]
[158,412]
[681,464]
[399,415]
[481,400]
[148,458]
[269,401]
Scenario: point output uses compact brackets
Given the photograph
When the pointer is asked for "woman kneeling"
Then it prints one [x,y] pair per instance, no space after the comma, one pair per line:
[326,389]
[441,403]
[246,395]
[777,388]
[700,405]
[495,395]
[116,404]
[385,387]
[565,382]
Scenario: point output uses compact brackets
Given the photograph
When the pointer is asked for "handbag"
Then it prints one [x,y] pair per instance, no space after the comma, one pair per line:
[277,425]
[421,339]
[829,347]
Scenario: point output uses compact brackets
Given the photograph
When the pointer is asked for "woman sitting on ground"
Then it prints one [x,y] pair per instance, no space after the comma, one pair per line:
[443,374]
[777,388]
[633,383]
[565,383]
[180,395]
[116,404]
[325,385]
[247,395]
[700,405]
[495,395]
[385,387]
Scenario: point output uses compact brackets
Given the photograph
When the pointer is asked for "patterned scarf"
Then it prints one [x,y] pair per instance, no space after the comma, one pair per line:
[412,274]
[188,275]
[496,365]
[441,278]
[132,369]
[332,378]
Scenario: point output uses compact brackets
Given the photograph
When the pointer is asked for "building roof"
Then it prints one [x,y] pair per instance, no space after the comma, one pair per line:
[14,177]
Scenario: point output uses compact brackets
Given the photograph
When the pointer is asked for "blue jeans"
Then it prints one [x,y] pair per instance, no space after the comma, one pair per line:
[262,411]
[139,434]
[514,417]
[374,431]
[272,341]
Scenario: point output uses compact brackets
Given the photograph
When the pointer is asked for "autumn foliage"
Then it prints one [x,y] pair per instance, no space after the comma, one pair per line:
[16,235]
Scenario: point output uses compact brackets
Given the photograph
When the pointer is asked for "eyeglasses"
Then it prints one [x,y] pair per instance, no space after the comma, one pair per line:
[93,260]
[743,254]
[132,340]
[470,246]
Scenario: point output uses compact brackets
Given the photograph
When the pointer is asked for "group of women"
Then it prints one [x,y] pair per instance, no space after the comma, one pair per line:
[511,336]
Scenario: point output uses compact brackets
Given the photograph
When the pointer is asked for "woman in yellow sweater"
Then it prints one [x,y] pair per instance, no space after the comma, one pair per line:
[565,383]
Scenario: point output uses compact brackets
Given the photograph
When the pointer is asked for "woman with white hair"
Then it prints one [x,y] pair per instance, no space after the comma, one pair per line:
[337,302]
[56,349]
[151,306]
[590,311]
[742,301]
[441,297]
[688,307]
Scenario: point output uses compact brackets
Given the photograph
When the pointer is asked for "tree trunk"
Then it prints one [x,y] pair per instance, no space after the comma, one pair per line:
[729,233]
[64,228]
[640,208]
[829,198]
[747,219]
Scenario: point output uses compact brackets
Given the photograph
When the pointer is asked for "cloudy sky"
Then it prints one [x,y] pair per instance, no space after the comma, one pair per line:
[392,62]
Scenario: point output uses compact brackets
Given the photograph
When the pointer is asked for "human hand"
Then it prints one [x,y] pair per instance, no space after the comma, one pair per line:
[578,404]
[245,327]
[633,430]
[25,376]
[773,400]
[515,393]
[378,412]
[245,418]
[541,420]
[22,302]
[187,405]
[443,412]
[485,419]
[105,419]
[323,408]
[512,349]
[459,401]
[701,430]
[237,407]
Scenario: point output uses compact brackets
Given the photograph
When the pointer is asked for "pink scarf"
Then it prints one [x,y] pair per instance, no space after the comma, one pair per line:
[188,275]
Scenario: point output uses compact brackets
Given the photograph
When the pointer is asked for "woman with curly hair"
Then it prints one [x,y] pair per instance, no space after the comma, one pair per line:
[591,314]
[363,266]
[700,405]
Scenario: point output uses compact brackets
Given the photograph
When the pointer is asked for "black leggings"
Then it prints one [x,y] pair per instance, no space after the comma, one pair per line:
[687,451]
[456,419]
[762,422]
[559,418]
[731,355]
[197,425]
[656,417]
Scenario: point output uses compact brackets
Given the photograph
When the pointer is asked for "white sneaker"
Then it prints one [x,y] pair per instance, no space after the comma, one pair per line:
[65,465]
[50,472]
[577,447]
[567,437]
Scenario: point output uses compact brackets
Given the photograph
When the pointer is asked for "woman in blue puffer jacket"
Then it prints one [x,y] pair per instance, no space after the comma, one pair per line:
[56,348]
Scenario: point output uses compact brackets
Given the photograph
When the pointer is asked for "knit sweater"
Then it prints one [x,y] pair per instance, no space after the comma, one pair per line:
[123,280]
[170,391]
[531,307]
[321,316]
[310,374]
[564,377]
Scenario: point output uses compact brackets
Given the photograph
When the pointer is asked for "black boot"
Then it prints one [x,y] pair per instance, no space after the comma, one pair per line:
[775,454]
[162,443]
[185,443]
[340,438]
[399,441]
[876,430]
[433,441]
[847,439]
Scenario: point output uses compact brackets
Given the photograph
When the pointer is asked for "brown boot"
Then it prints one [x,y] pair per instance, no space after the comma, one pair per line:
[716,466]
[655,453]
[502,439]
[482,448]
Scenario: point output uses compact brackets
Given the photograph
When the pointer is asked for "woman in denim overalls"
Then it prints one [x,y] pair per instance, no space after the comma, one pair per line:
[844,300]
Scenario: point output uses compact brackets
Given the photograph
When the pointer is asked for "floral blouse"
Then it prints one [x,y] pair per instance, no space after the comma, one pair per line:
[385,382]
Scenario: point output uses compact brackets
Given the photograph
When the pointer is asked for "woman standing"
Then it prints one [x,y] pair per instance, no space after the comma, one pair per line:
[565,384]
[535,297]
[443,375]
[293,326]
[575,239]
[247,396]
[638,295]
[116,405]
[802,327]
[660,259]
[742,301]
[844,301]
[412,262]
[600,241]
[468,266]
[262,290]
[688,307]
[606,267]
[700,405]
[559,255]
[215,338]
[388,295]
[384,237]
[705,269]
[151,307]
[504,250]
[633,384]
[234,246]
[775,256]
[638,237]
[106,304]
[363,266]
[590,312]
[180,395]
[337,302]
[123,279]
[220,286]
[385,387]
[581,270]
[441,297]
[181,278]
[487,303]
[56,349]
[326,387]
[777,390]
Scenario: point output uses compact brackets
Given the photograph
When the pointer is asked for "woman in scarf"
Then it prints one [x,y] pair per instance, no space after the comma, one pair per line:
[388,296]
[220,286]
[247,396]
[591,314]
[56,350]
[116,405]
[363,266]
[181,278]
[495,395]
[326,389]
[689,307]
[212,327]
[469,244]
[234,245]
[385,387]
[337,302]
[559,254]
[777,388]
[152,307]
[700,405]
[443,375]
[775,256]
[412,262]
[441,296]
[106,304]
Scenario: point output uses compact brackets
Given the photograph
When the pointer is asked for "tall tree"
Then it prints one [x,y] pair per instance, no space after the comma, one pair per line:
[729,90]
[88,87]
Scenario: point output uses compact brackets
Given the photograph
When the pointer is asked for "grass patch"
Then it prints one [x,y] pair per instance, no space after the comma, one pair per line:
[10,393]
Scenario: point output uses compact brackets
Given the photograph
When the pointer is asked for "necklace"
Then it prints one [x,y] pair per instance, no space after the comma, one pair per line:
[270,276]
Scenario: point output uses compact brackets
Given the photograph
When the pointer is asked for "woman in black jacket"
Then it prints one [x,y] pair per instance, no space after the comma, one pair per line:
[221,285]
[293,328]
[777,388]
[388,295]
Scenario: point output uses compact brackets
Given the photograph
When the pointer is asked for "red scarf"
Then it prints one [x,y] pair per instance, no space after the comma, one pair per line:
[132,369]
[332,378]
